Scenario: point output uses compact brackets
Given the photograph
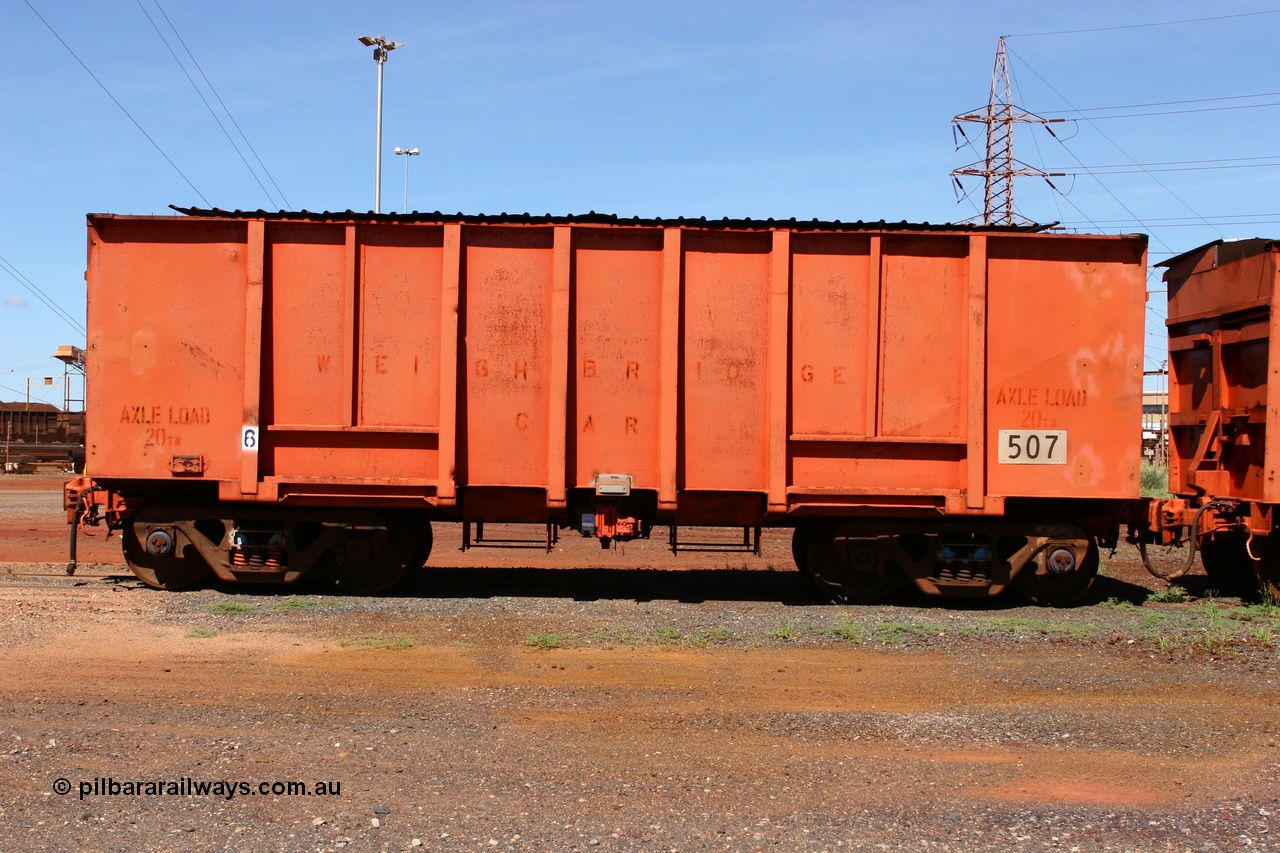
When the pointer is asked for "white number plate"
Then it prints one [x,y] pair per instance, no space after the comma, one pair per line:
[1032,447]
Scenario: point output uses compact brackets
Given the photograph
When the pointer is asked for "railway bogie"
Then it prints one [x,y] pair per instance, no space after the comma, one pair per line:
[860,561]
[360,550]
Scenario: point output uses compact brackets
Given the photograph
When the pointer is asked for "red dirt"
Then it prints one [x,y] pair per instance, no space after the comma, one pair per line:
[979,727]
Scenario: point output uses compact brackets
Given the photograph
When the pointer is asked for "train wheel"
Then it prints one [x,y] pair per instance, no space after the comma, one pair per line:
[373,558]
[1060,574]
[800,539]
[851,569]
[156,554]
[1226,562]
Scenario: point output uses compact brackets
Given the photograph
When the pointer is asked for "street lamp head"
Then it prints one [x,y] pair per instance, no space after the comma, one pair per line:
[410,151]
[381,47]
[370,41]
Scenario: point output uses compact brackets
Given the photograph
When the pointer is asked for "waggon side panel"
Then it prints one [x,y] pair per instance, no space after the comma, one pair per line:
[924,289]
[880,334]
[835,321]
[505,410]
[400,276]
[350,353]
[616,357]
[1065,353]
[309,322]
[725,423]
[165,347]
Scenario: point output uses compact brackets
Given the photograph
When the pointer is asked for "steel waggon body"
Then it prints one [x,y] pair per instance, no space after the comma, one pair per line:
[1224,356]
[273,395]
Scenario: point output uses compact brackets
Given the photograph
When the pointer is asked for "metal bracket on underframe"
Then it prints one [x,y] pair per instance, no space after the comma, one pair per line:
[750,543]
[553,537]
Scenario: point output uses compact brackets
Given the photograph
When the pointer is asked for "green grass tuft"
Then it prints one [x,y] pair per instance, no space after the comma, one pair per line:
[1172,595]
[891,631]
[1154,480]
[850,632]
[231,608]
[1214,640]
[294,602]
[548,641]
[397,643]
[202,633]
[1255,613]
[784,630]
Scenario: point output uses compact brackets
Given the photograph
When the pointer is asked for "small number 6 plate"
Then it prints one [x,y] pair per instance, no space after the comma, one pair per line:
[1032,447]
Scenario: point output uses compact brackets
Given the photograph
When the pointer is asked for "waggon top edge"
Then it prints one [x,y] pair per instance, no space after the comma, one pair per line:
[594,218]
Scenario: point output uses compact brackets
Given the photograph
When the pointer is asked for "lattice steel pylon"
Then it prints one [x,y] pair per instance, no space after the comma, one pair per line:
[999,168]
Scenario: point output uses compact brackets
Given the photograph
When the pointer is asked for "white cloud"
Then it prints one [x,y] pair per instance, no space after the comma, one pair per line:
[15,301]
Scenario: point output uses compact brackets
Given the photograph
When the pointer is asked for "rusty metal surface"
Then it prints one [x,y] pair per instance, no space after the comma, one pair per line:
[810,368]
[1223,328]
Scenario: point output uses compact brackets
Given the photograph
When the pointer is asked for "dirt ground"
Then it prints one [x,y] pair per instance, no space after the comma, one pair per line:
[509,699]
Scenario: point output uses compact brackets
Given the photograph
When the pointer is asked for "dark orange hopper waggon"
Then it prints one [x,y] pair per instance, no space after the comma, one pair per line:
[273,395]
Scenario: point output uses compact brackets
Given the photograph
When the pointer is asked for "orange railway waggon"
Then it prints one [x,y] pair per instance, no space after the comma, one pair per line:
[1224,357]
[272,395]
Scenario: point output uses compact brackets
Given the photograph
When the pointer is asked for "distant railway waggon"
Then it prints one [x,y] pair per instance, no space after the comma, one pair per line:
[276,395]
[39,423]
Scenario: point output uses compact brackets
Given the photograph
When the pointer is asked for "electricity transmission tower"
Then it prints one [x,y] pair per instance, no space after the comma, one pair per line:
[999,168]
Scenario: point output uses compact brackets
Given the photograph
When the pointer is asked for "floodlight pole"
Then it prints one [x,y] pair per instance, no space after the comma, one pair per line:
[381,47]
[407,152]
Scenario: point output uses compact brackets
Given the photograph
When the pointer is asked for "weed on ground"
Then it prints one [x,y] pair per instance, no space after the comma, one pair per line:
[1172,595]
[231,608]
[784,630]
[397,643]
[548,641]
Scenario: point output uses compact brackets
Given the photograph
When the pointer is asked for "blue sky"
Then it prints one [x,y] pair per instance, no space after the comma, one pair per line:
[834,110]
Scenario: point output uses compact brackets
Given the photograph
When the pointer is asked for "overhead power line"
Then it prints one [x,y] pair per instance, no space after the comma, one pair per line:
[15,390]
[1115,145]
[1196,219]
[1165,103]
[1151,24]
[1191,162]
[1145,168]
[205,101]
[1172,112]
[225,108]
[1150,227]
[35,291]
[115,101]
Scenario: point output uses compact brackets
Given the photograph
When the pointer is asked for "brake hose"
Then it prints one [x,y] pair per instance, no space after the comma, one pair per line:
[1191,546]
